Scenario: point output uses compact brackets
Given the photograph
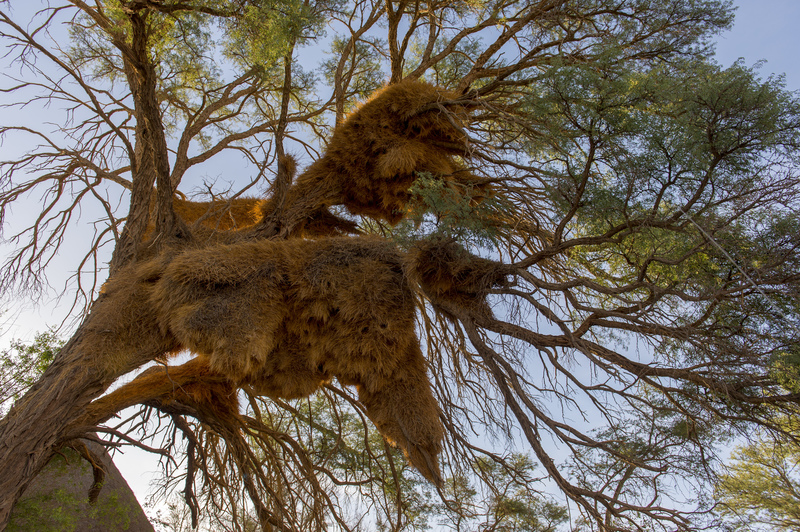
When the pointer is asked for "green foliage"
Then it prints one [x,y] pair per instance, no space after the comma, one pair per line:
[648,453]
[761,487]
[451,210]
[366,79]
[265,31]
[455,66]
[507,502]
[195,45]
[786,368]
[680,174]
[22,365]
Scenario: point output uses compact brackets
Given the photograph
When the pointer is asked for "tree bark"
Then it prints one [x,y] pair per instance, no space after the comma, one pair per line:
[80,489]
[150,165]
[119,335]
[38,422]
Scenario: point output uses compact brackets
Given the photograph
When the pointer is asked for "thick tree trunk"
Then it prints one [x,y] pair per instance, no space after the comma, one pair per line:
[80,489]
[38,422]
[119,335]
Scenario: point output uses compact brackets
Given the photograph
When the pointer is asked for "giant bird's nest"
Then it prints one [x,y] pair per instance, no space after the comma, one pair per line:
[282,317]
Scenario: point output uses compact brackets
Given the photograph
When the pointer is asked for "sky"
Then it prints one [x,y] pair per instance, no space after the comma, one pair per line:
[763,30]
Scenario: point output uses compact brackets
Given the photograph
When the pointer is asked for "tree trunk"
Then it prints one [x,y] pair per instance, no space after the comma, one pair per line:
[119,335]
[38,422]
[80,489]
[150,161]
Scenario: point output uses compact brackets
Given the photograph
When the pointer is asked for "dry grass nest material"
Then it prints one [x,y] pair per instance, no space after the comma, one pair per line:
[283,318]
[450,275]
[374,156]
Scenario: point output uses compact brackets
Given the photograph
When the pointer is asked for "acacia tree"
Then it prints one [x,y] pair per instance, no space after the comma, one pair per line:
[641,200]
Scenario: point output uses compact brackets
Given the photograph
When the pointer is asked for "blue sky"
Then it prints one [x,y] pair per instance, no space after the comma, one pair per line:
[768,30]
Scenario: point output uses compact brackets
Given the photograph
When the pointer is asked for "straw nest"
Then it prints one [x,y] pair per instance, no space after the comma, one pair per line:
[283,317]
[222,220]
[449,275]
[369,165]
[374,156]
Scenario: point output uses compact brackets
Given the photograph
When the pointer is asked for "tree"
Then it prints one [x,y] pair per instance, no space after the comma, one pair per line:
[635,206]
[79,488]
[761,486]
[23,364]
